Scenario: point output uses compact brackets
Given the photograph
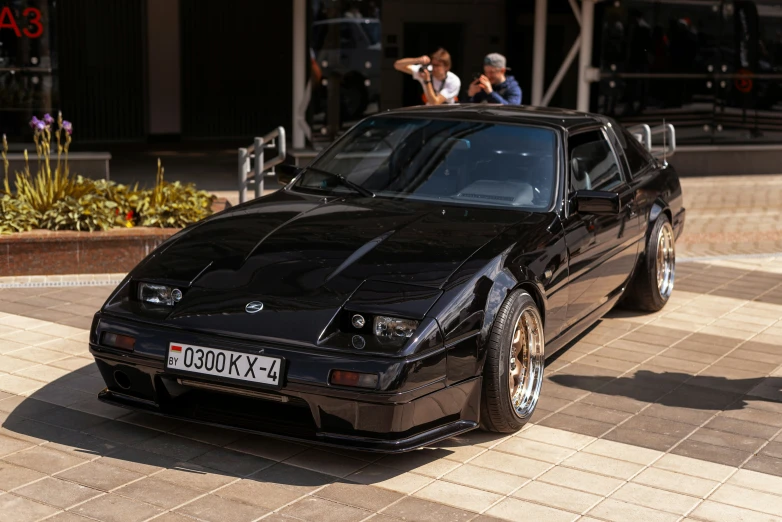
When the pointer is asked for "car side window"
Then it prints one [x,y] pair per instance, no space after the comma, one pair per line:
[637,156]
[593,164]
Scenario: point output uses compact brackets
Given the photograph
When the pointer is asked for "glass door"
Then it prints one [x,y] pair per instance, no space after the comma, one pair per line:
[28,65]
[345,60]
[710,67]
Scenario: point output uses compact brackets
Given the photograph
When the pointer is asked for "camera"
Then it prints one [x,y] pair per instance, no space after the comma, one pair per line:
[427,67]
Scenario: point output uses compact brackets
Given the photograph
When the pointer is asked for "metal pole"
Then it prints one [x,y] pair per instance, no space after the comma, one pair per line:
[585,57]
[243,168]
[561,73]
[258,146]
[299,70]
[576,11]
[333,111]
[539,51]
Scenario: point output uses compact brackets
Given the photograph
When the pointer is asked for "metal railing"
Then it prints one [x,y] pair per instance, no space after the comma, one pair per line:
[644,134]
[253,177]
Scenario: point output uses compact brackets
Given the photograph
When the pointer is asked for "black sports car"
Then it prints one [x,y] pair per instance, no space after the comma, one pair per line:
[403,288]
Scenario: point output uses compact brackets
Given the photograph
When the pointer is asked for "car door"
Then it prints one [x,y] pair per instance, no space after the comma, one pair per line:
[642,169]
[602,249]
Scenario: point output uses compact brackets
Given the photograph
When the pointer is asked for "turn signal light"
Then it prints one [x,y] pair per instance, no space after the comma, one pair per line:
[123,342]
[354,379]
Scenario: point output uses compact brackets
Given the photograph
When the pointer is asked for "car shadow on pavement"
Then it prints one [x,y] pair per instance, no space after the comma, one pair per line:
[702,392]
[194,456]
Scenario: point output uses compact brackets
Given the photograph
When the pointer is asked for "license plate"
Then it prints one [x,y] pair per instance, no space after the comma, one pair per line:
[225,363]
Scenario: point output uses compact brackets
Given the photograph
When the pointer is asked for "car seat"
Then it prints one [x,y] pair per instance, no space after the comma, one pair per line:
[579,177]
[505,167]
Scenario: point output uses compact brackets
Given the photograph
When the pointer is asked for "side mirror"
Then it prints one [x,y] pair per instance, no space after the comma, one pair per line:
[285,172]
[597,202]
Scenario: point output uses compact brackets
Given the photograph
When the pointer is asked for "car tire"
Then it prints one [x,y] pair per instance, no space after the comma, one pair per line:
[513,372]
[652,284]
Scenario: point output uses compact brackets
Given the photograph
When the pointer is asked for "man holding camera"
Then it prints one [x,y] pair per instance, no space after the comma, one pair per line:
[440,85]
[493,86]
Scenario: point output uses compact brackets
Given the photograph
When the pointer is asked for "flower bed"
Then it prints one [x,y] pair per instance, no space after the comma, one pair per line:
[48,252]
[53,199]
[52,222]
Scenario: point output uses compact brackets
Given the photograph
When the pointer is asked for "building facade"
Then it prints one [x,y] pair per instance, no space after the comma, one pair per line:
[147,70]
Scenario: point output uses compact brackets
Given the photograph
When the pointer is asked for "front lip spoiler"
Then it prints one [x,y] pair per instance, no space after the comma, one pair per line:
[399,445]
[321,438]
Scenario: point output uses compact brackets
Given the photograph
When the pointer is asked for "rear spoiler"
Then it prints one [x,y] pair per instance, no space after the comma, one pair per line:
[665,148]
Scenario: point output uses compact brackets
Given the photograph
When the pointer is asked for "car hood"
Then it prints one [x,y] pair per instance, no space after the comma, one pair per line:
[305,257]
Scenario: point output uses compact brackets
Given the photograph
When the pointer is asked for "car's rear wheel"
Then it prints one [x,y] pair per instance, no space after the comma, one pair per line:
[652,285]
[513,373]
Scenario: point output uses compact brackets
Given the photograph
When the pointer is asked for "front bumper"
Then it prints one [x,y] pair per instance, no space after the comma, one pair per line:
[391,421]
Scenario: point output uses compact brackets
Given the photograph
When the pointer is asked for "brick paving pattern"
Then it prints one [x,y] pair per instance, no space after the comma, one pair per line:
[669,416]
[732,216]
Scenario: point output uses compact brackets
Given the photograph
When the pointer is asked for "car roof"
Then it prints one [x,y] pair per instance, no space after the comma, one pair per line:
[563,119]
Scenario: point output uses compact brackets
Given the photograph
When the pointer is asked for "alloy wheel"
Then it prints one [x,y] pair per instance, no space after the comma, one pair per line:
[525,373]
[666,261]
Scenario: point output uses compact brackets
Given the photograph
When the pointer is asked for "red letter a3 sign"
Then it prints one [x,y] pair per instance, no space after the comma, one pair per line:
[32,15]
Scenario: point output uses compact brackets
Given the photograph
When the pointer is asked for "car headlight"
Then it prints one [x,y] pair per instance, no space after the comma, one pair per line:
[158,294]
[394,326]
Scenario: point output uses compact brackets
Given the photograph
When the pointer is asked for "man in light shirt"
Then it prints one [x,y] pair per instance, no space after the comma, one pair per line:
[439,84]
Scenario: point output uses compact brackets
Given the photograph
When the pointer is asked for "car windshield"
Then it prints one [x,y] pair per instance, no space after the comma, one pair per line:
[463,162]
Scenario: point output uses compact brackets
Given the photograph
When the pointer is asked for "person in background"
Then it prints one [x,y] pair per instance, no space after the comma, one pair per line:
[440,85]
[493,86]
[353,12]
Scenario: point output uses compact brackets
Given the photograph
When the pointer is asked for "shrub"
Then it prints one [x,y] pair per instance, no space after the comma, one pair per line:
[54,199]
[17,215]
[88,212]
[172,204]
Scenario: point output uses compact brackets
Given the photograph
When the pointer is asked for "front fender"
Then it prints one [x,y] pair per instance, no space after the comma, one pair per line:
[467,318]
[505,284]
[658,207]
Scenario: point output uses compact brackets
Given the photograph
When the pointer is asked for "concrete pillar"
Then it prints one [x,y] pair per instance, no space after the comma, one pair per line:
[539,51]
[585,57]
[300,55]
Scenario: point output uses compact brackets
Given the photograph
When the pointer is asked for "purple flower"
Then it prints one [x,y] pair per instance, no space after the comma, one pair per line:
[40,125]
[48,119]
[34,122]
[68,126]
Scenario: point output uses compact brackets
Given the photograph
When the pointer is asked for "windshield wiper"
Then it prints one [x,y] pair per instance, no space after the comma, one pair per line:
[344,182]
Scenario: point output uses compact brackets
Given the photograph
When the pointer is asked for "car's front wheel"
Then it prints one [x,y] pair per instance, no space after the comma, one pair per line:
[513,373]
[652,285]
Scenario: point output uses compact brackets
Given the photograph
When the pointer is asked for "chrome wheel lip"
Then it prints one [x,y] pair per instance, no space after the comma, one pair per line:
[525,368]
[665,264]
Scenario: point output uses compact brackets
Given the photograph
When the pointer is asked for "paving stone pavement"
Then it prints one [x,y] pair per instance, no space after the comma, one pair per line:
[669,416]
[675,415]
[735,215]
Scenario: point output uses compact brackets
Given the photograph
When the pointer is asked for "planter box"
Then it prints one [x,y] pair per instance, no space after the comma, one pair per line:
[47,252]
